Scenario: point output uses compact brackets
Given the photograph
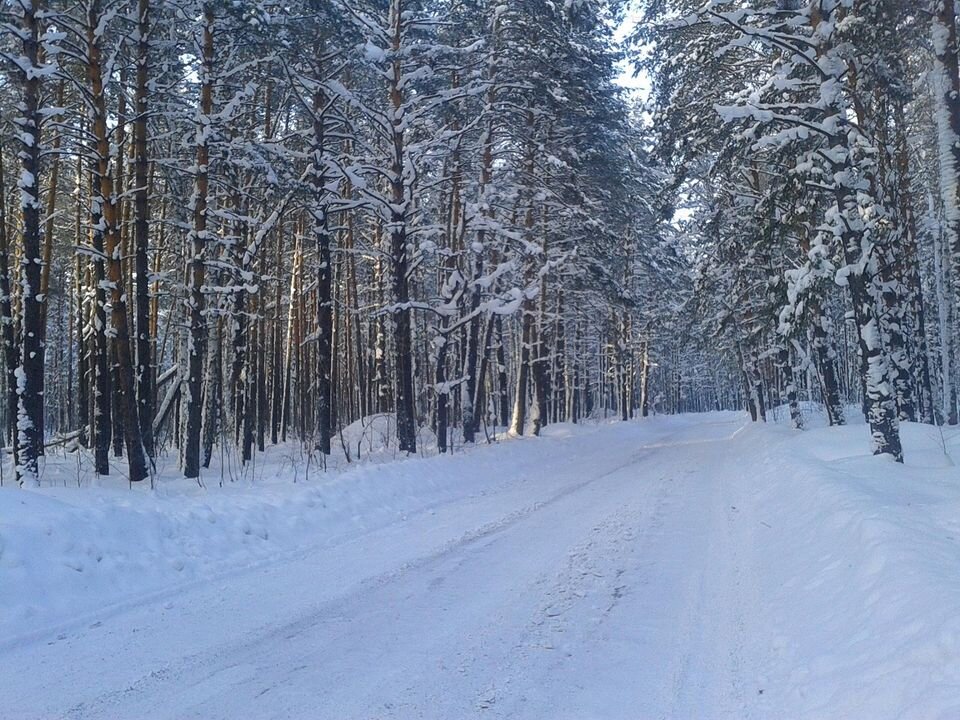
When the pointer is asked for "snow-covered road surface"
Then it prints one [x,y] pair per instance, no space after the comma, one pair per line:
[613,573]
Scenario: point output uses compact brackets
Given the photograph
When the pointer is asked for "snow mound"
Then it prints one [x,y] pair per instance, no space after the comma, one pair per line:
[67,552]
[859,559]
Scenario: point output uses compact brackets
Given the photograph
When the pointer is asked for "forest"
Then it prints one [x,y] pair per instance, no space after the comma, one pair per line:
[227,225]
[232,224]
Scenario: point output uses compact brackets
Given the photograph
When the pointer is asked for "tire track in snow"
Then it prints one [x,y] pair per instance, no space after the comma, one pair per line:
[579,600]
[189,668]
[714,674]
[608,518]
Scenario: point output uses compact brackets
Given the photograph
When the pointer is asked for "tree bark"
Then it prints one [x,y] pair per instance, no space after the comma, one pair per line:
[146,391]
[11,351]
[30,371]
[106,199]
[197,345]
[323,238]
[402,346]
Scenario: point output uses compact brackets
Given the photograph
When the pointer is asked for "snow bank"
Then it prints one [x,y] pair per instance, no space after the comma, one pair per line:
[63,552]
[68,552]
[860,564]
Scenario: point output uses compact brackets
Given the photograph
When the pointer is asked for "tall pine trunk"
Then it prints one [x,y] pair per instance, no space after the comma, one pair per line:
[30,371]
[105,199]
[322,238]
[11,351]
[402,343]
[146,391]
[196,348]
[825,362]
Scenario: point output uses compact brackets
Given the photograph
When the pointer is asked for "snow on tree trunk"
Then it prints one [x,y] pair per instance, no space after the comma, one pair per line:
[197,340]
[29,373]
[146,391]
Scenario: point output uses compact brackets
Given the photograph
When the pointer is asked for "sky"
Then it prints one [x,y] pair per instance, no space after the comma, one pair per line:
[639,84]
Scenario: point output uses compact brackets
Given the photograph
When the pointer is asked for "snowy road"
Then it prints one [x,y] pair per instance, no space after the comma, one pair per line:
[685,568]
[607,578]
[610,574]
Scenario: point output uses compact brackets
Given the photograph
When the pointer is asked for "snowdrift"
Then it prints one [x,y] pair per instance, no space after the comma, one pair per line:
[68,553]
[859,558]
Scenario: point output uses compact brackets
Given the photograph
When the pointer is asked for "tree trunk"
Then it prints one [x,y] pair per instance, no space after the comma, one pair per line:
[946,77]
[645,381]
[11,351]
[442,393]
[825,361]
[790,387]
[503,388]
[212,393]
[879,403]
[105,198]
[51,208]
[519,420]
[276,355]
[30,371]
[146,391]
[402,346]
[197,345]
[322,238]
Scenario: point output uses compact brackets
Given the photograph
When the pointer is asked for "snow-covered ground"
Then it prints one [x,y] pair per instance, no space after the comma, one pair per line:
[675,567]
